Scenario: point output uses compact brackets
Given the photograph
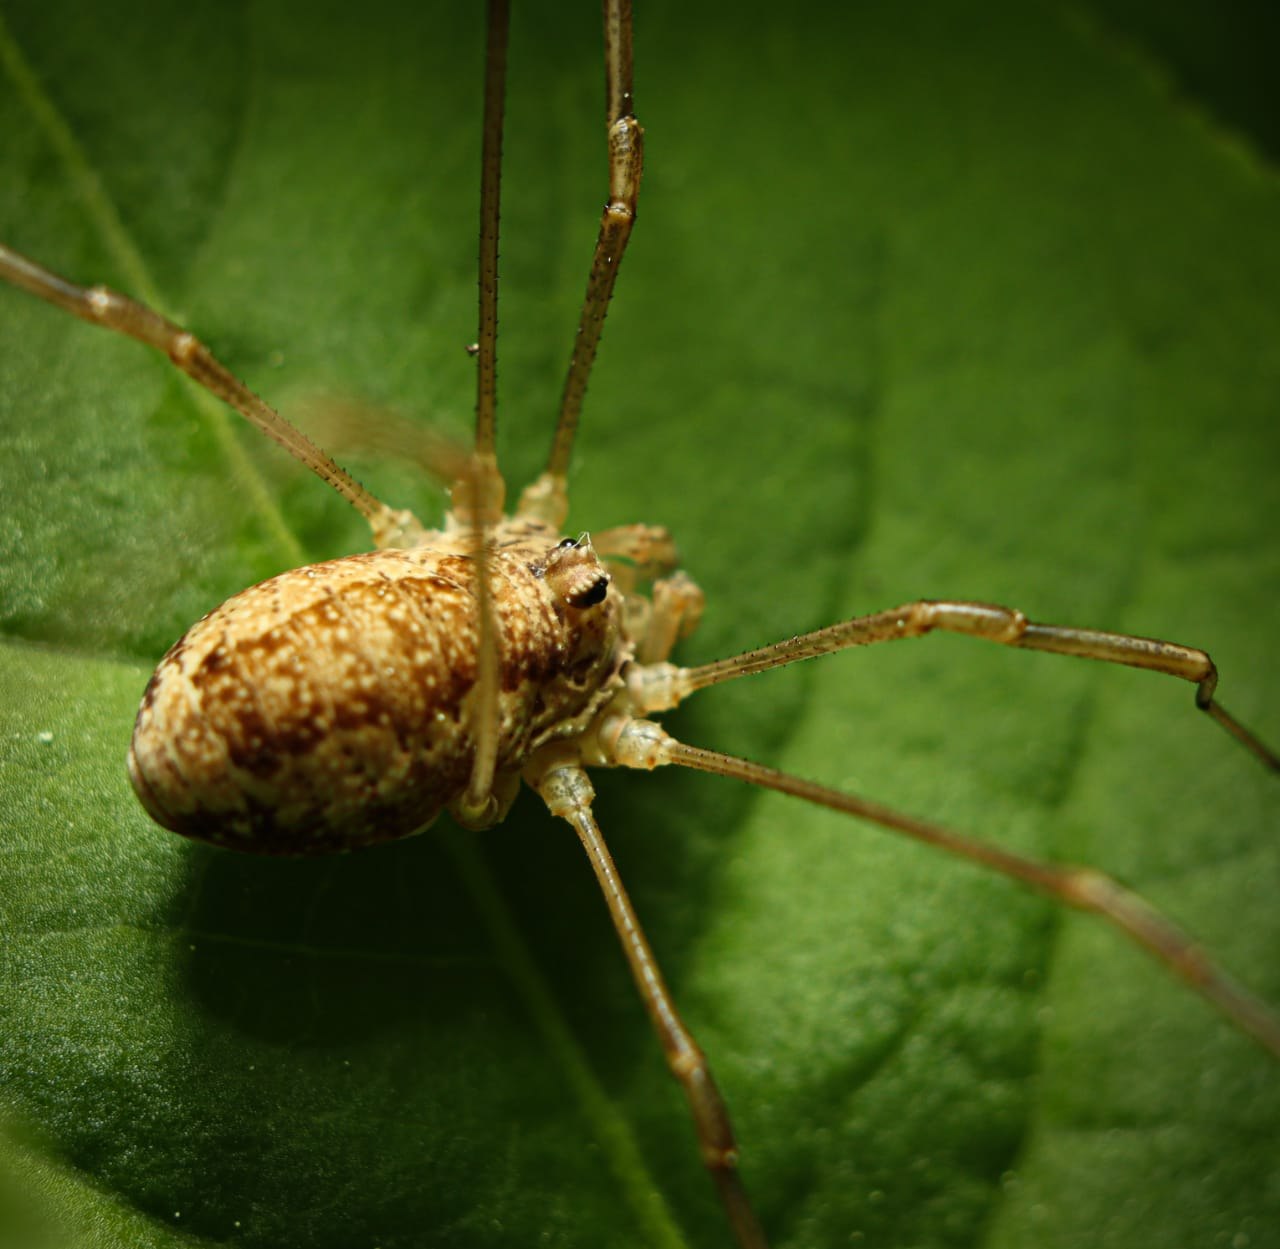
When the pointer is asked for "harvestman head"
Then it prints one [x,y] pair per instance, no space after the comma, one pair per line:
[352,701]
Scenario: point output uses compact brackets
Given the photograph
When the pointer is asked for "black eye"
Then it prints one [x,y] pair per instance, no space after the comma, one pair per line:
[593,594]
[566,542]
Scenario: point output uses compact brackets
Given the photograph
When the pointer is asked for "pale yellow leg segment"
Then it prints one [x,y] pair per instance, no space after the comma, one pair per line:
[640,555]
[648,551]
[676,610]
[473,505]
[568,794]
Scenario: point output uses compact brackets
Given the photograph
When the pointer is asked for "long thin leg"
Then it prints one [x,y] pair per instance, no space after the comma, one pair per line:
[568,794]
[495,79]
[547,497]
[994,623]
[645,744]
[99,305]
[480,807]
[480,493]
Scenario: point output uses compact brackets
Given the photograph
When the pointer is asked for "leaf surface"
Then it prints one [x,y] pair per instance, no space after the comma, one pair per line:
[919,304]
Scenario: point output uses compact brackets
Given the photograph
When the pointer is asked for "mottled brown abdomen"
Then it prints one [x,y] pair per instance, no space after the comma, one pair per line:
[327,708]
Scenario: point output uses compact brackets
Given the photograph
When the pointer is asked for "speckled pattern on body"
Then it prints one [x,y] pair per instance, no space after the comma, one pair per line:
[328,707]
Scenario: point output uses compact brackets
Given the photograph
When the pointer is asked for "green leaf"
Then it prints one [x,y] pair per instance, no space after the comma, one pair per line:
[920,303]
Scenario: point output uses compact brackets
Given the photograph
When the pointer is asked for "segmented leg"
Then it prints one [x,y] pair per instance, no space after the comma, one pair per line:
[481,491]
[546,496]
[568,794]
[994,623]
[646,745]
[648,551]
[495,81]
[473,504]
[99,305]
[677,604]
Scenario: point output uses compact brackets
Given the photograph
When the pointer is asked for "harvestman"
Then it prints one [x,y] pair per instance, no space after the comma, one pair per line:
[350,702]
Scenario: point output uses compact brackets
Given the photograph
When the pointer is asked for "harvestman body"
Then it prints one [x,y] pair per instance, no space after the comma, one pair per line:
[352,701]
